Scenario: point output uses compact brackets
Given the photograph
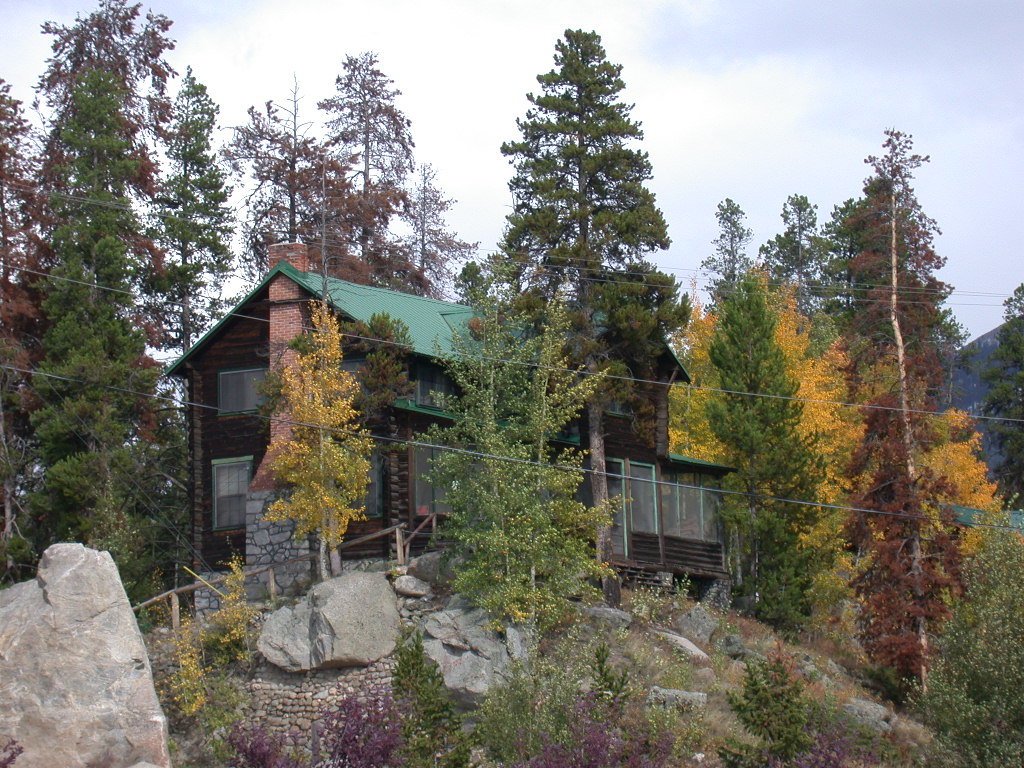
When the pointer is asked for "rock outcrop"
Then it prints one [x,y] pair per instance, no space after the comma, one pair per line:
[471,656]
[672,697]
[348,621]
[695,654]
[697,625]
[76,689]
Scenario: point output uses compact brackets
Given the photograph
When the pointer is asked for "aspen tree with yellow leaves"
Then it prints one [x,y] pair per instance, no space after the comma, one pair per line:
[326,460]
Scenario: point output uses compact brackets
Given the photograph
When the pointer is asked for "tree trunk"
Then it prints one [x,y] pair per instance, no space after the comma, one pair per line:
[599,492]
[914,543]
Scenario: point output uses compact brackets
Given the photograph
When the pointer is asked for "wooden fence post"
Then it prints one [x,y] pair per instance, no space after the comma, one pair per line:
[175,612]
[272,585]
[400,546]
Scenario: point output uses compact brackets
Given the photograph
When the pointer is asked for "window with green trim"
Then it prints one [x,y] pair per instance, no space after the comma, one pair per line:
[240,391]
[643,505]
[431,382]
[230,486]
[427,497]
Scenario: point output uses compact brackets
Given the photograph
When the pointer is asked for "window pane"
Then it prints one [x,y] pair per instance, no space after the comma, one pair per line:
[231,483]
[431,381]
[712,512]
[372,501]
[669,505]
[239,390]
[427,498]
[615,488]
[689,507]
[643,509]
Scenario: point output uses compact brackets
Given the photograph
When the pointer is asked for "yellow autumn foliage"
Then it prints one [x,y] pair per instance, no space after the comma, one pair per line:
[326,463]
[689,429]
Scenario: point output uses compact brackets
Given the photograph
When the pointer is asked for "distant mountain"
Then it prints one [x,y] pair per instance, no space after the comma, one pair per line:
[970,390]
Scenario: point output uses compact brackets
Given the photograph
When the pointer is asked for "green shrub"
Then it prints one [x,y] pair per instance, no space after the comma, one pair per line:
[431,731]
[975,695]
[773,709]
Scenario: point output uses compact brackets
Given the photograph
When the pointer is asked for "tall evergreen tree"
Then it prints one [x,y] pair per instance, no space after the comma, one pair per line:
[114,39]
[197,220]
[131,53]
[896,364]
[299,190]
[793,256]
[730,260]
[840,243]
[762,439]
[367,125]
[90,425]
[582,221]
[20,323]
[1006,400]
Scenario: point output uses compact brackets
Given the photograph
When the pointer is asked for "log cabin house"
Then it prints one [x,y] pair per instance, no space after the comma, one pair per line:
[668,522]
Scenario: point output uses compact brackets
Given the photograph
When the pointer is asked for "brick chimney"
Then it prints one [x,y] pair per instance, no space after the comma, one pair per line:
[296,254]
[289,318]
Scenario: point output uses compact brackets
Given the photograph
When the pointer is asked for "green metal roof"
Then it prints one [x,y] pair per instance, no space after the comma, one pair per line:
[678,458]
[970,516]
[432,323]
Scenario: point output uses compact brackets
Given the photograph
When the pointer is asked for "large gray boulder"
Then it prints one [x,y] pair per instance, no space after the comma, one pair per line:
[697,624]
[673,697]
[76,689]
[870,715]
[348,621]
[695,654]
[606,616]
[470,655]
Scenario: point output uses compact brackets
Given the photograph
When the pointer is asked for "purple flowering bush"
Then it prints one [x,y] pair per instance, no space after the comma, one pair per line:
[604,735]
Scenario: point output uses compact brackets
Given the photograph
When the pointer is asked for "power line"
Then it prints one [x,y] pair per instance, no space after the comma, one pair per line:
[496,457]
[827,287]
[617,377]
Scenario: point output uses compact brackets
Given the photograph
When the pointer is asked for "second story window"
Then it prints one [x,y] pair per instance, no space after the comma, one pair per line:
[431,382]
[239,391]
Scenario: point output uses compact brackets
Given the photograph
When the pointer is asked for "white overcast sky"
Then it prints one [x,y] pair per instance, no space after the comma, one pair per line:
[749,99]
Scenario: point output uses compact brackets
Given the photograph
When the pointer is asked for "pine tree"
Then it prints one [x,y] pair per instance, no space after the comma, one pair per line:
[431,731]
[326,460]
[20,323]
[525,539]
[366,124]
[730,261]
[197,220]
[762,440]
[840,243]
[299,190]
[912,560]
[772,706]
[130,52]
[793,257]
[582,221]
[433,248]
[1006,399]
[91,426]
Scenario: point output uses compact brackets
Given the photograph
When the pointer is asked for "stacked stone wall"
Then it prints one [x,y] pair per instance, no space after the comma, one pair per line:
[288,703]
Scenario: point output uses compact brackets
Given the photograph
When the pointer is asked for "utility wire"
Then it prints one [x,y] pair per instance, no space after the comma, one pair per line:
[675,269]
[497,457]
[617,377]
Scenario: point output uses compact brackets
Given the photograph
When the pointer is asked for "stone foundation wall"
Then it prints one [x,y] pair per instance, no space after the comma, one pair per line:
[267,543]
[288,703]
